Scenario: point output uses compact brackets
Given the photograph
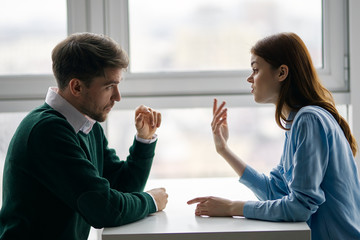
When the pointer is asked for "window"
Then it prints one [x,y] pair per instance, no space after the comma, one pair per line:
[167,47]
[8,124]
[185,147]
[29,31]
[164,61]
[203,35]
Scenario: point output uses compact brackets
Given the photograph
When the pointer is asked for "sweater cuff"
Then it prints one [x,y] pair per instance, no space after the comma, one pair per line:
[156,207]
[147,141]
[143,150]
[152,204]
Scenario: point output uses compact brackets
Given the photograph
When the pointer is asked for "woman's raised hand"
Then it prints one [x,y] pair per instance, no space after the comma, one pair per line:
[219,126]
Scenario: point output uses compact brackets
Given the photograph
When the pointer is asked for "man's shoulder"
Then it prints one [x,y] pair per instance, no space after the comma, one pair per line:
[37,129]
[42,116]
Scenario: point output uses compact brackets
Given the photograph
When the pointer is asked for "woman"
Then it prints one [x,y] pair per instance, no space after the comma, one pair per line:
[316,180]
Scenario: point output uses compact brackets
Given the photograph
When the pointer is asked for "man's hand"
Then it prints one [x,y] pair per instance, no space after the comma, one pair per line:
[160,196]
[147,121]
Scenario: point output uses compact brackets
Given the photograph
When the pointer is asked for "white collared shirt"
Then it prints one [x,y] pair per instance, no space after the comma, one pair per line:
[77,120]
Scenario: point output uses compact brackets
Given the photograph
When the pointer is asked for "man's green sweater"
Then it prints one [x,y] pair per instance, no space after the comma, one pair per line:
[57,183]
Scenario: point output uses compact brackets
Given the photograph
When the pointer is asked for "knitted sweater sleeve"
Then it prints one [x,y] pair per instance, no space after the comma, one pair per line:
[63,167]
[130,175]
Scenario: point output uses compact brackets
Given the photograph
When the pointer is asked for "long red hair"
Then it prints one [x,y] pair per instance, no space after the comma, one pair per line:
[302,86]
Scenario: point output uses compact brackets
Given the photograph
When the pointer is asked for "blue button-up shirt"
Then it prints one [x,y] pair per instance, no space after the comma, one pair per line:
[316,181]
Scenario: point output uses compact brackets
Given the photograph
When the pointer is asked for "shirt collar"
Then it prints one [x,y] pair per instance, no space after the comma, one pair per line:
[77,120]
[290,119]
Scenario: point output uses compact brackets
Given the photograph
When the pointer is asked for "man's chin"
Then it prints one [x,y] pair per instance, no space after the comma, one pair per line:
[100,118]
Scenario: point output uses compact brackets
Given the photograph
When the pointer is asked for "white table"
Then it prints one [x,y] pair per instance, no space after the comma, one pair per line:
[178,221]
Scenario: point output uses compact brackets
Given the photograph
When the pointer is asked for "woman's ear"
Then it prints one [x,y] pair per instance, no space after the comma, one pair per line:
[75,87]
[283,72]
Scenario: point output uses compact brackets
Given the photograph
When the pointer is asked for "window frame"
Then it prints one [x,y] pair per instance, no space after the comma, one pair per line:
[334,74]
[20,93]
[111,17]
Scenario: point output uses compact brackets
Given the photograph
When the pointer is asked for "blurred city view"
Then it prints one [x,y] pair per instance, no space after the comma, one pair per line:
[29,30]
[177,35]
[206,35]
[185,147]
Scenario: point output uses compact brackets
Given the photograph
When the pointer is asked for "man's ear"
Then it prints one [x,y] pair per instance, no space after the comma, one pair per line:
[76,86]
[283,72]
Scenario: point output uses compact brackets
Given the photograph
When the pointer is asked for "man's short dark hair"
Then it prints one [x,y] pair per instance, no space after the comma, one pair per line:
[85,56]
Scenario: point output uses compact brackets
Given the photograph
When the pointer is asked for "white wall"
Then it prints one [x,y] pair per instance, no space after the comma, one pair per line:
[354,21]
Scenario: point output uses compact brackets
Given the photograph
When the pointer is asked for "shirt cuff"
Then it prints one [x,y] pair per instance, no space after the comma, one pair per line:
[249,209]
[147,141]
[156,207]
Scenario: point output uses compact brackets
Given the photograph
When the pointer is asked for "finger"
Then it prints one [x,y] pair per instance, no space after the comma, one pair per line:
[201,210]
[214,106]
[220,108]
[219,117]
[151,117]
[139,121]
[217,126]
[154,113]
[158,123]
[197,200]
[201,213]
[219,114]
[142,109]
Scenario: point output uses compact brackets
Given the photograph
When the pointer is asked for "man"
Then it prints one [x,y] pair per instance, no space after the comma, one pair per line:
[60,177]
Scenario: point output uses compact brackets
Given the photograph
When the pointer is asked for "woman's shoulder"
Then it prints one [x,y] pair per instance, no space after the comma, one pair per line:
[314,114]
[315,111]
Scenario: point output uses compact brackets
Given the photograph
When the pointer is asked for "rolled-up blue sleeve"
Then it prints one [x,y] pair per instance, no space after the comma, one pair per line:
[265,188]
[293,190]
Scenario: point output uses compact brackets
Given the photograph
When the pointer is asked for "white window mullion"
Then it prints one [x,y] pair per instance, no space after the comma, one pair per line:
[77,16]
[117,21]
[335,45]
[86,16]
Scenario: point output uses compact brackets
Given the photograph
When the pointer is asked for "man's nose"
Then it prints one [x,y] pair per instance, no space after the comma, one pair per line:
[116,94]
